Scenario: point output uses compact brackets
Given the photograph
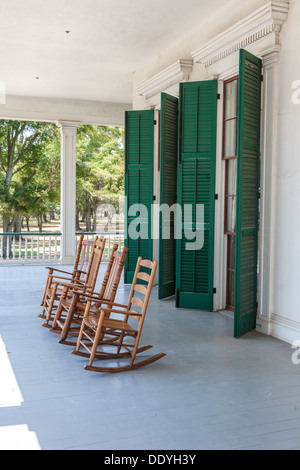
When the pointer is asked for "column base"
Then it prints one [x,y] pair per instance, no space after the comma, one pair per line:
[263,325]
[67,260]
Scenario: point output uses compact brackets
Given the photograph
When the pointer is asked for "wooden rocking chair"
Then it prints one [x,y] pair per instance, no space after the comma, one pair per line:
[106,332]
[79,272]
[77,301]
[86,285]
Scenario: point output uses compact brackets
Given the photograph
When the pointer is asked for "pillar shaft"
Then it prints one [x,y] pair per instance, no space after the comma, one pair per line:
[68,190]
[268,189]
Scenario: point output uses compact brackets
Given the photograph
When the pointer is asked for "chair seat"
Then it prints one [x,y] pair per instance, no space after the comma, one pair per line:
[79,306]
[92,322]
[58,291]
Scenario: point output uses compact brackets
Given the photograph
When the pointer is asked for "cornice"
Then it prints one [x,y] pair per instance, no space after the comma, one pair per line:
[264,21]
[175,73]
[68,124]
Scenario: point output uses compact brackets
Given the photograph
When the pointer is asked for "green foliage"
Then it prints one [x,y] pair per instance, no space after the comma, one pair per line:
[100,167]
[30,169]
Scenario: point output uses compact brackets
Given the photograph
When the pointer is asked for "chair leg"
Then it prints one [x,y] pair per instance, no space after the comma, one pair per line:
[59,308]
[47,285]
[136,344]
[48,317]
[80,336]
[69,318]
[57,316]
[97,337]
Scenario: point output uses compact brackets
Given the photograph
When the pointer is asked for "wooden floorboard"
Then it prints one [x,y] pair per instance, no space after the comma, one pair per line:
[210,391]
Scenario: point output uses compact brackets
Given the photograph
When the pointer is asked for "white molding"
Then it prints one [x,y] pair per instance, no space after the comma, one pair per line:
[229,73]
[270,56]
[175,73]
[29,108]
[220,239]
[69,126]
[269,146]
[264,21]
[284,328]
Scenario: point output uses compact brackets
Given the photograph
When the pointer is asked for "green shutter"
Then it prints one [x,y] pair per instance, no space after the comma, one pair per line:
[248,157]
[139,137]
[168,194]
[196,185]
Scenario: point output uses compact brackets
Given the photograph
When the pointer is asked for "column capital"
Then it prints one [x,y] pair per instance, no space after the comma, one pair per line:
[68,125]
[271,55]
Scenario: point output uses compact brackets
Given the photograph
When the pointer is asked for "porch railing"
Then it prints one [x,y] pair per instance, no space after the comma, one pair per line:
[40,248]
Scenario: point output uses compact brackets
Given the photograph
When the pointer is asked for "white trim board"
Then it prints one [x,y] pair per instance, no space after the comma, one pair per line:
[175,73]
[259,24]
[29,108]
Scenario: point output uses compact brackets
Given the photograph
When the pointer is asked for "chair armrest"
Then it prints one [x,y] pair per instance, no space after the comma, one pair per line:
[129,312]
[90,296]
[80,271]
[93,294]
[64,278]
[59,270]
[71,285]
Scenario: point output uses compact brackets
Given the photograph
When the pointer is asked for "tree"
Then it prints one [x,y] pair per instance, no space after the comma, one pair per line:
[23,156]
[42,184]
[100,170]
[30,171]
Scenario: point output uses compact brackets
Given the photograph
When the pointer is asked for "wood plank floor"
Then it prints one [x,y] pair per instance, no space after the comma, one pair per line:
[211,391]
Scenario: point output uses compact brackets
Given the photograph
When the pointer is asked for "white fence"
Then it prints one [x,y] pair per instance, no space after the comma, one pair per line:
[40,248]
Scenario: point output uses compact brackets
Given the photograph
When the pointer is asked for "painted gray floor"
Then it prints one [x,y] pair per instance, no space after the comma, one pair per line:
[211,391]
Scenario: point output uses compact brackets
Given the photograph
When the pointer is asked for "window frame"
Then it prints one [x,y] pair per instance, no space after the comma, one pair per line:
[232,79]
[228,234]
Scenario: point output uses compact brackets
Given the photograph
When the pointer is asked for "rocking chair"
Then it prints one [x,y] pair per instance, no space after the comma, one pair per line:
[77,301]
[107,332]
[79,273]
[86,285]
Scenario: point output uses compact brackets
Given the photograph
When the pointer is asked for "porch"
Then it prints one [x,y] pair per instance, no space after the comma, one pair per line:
[211,391]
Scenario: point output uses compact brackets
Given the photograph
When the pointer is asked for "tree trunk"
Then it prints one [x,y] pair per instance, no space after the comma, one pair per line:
[40,223]
[95,219]
[7,240]
[88,218]
[88,214]
[17,228]
[77,221]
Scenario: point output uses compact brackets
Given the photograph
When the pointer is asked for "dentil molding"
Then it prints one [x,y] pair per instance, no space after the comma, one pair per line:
[264,21]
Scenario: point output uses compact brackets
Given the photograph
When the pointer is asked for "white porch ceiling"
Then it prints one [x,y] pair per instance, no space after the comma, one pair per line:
[108,41]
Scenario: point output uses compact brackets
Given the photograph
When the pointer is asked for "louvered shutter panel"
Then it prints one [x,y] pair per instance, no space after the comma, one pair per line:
[248,159]
[168,194]
[196,185]
[139,138]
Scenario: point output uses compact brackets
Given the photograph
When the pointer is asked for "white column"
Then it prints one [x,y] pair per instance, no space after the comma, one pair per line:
[268,190]
[68,190]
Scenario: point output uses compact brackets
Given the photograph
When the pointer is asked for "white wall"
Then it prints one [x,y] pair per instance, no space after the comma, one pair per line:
[230,13]
[286,315]
[283,312]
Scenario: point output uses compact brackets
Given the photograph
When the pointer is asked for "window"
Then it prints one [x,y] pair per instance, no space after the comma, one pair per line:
[230,157]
